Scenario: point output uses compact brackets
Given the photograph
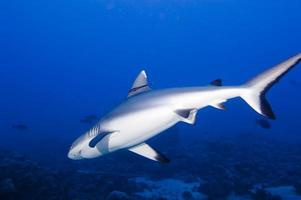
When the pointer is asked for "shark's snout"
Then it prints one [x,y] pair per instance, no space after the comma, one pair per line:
[75,155]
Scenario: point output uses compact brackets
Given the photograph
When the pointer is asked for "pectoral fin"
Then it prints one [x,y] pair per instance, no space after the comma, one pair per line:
[98,138]
[187,115]
[145,150]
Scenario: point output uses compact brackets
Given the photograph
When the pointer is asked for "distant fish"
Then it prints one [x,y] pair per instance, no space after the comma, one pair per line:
[21,127]
[263,123]
[89,119]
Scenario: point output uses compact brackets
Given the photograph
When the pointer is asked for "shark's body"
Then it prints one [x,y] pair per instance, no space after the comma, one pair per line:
[147,112]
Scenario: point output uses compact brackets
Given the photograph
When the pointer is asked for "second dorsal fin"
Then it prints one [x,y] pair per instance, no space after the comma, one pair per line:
[216,82]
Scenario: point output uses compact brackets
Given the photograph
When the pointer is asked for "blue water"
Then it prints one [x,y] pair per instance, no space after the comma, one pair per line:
[63,60]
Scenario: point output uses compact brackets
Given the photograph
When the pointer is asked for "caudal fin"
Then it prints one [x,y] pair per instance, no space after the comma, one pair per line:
[257,87]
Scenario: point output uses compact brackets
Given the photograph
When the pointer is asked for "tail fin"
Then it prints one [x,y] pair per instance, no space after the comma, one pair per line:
[260,85]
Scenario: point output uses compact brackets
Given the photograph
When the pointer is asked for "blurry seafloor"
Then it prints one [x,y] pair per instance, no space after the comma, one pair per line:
[234,166]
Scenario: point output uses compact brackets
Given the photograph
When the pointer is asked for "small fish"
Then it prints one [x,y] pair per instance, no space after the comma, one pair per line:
[263,123]
[21,127]
[89,119]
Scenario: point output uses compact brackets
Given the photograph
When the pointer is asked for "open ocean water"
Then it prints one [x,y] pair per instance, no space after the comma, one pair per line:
[66,63]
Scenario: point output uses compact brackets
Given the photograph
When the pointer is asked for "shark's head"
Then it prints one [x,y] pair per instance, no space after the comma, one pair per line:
[80,149]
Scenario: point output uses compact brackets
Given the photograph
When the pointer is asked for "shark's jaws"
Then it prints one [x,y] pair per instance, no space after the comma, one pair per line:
[147,112]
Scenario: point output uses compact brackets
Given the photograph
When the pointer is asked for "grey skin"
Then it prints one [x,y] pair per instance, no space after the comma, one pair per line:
[147,112]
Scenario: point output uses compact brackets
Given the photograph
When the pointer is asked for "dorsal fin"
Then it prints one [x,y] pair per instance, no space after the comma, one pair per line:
[140,84]
[216,82]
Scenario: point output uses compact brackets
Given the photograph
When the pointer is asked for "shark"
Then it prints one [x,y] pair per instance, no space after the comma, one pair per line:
[145,113]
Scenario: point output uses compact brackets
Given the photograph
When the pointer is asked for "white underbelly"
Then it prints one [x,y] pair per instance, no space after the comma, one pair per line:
[141,126]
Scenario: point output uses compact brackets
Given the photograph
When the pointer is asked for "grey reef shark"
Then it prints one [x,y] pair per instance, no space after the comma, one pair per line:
[146,112]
